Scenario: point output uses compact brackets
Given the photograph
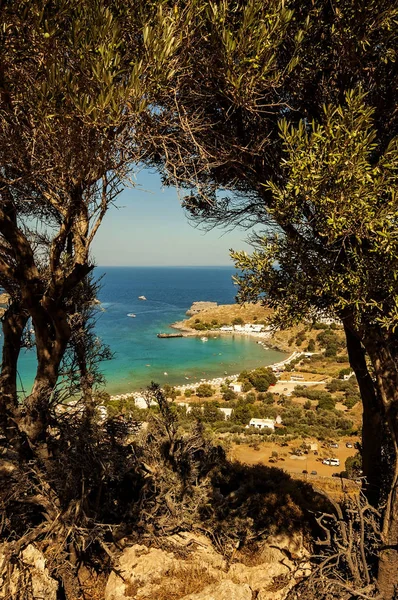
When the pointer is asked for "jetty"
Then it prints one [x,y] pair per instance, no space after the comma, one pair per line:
[170,335]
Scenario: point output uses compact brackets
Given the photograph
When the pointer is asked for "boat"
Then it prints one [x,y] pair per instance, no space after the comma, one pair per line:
[141,298]
[204,339]
[131,315]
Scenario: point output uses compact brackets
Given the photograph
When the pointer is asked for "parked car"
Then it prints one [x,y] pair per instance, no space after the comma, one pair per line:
[332,462]
[305,472]
[333,445]
[314,472]
[349,445]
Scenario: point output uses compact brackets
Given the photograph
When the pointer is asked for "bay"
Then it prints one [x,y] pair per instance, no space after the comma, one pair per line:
[139,356]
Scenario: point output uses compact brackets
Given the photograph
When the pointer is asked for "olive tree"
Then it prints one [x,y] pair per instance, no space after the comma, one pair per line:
[73,90]
[282,114]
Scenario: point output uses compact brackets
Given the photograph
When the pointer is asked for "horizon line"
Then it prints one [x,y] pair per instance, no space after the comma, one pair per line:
[165,266]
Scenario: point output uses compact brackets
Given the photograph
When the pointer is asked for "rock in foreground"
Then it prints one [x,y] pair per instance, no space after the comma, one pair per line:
[187,567]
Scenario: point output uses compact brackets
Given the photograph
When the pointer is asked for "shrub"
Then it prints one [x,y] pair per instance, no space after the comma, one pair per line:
[319,325]
[238,321]
[352,400]
[342,359]
[311,345]
[343,372]
[199,326]
[300,337]
[188,393]
[353,466]
[250,397]
[204,390]
[211,413]
[267,398]
[229,394]
[246,386]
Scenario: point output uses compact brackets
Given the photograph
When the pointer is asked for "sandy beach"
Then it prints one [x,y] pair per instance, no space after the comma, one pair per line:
[215,382]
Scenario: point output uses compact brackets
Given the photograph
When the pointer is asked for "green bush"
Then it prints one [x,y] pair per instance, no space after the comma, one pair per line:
[229,394]
[199,326]
[319,325]
[351,400]
[342,359]
[267,398]
[345,371]
[246,386]
[238,321]
[311,345]
[300,337]
[188,393]
[353,466]
[204,390]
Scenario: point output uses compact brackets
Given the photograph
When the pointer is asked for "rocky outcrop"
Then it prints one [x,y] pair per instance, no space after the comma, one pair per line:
[187,567]
[197,307]
[26,577]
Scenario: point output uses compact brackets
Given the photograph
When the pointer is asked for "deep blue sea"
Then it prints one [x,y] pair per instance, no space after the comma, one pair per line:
[139,356]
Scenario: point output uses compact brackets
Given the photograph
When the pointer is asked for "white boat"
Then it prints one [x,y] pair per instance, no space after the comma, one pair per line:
[204,339]
[141,298]
[131,315]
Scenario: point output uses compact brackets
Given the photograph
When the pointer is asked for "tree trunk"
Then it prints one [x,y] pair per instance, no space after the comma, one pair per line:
[382,349]
[14,321]
[372,422]
[52,336]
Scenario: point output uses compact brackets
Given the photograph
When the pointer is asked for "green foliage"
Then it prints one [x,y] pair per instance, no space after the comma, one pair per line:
[229,394]
[311,345]
[199,326]
[246,385]
[353,466]
[188,393]
[204,390]
[345,371]
[266,398]
[211,413]
[300,337]
[238,321]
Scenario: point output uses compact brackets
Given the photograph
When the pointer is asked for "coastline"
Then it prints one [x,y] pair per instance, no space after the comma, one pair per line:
[215,381]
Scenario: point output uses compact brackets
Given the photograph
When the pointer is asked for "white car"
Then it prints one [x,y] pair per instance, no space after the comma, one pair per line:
[332,462]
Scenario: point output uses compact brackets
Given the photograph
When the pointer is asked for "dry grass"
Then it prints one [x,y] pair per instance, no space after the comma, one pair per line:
[181,581]
[224,314]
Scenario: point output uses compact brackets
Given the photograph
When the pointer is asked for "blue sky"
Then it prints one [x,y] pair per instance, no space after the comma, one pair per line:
[149,228]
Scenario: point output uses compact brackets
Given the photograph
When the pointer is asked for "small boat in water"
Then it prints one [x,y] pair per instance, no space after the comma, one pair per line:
[141,298]
[131,315]
[204,339]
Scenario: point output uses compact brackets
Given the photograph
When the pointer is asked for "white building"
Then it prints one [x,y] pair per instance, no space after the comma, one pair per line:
[262,423]
[236,386]
[141,402]
[227,412]
[226,328]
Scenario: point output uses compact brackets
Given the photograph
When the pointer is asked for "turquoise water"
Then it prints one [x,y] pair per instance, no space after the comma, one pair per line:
[139,356]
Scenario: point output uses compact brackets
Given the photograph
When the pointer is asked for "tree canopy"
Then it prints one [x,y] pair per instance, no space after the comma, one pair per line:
[283,115]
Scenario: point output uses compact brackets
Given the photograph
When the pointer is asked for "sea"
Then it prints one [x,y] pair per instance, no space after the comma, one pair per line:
[139,356]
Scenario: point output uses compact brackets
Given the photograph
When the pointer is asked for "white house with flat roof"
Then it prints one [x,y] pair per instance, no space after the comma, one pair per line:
[236,386]
[262,423]
[227,412]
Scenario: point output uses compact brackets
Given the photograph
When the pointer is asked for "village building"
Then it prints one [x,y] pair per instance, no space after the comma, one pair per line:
[227,412]
[236,386]
[262,423]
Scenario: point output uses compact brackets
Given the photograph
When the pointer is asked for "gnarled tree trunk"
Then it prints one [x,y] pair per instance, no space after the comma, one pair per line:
[372,421]
[14,321]
[382,349]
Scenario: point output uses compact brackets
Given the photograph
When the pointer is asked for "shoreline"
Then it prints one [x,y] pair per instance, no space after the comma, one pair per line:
[215,381]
